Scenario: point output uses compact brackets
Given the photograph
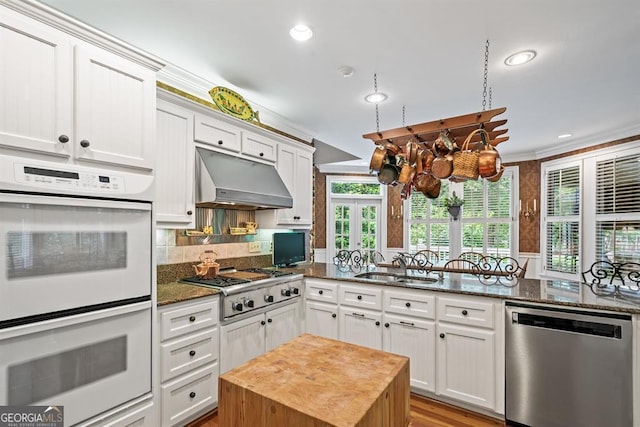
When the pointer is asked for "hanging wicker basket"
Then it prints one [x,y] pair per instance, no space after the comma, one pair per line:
[465,161]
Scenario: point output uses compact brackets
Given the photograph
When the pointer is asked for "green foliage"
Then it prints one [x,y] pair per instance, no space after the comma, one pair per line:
[454,200]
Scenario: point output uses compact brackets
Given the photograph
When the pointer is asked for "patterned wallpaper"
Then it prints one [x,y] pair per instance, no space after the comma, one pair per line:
[529,231]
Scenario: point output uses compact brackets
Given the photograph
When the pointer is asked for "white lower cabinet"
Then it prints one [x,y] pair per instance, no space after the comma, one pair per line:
[189,359]
[321,319]
[137,417]
[245,339]
[416,339]
[466,364]
[454,343]
[361,327]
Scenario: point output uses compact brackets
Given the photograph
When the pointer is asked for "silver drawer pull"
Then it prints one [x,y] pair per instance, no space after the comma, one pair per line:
[358,314]
[407,323]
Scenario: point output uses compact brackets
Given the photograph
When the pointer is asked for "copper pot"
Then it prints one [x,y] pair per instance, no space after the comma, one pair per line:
[443,145]
[442,167]
[406,173]
[411,151]
[497,176]
[427,160]
[378,159]
[489,162]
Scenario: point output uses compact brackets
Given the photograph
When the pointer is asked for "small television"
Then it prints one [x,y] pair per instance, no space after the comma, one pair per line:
[288,248]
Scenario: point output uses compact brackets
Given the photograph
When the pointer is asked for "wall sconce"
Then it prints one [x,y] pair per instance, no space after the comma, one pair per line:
[527,212]
[396,213]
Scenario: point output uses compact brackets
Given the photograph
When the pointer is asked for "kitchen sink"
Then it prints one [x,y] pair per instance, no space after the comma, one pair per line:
[397,278]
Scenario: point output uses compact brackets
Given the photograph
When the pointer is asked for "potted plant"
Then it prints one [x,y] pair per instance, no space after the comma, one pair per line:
[453,205]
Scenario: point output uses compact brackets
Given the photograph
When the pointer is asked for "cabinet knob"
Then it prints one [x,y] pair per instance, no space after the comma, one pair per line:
[269,320]
[192,394]
[220,142]
[442,336]
[192,318]
[84,143]
[320,292]
[333,315]
[63,138]
[465,312]
[359,297]
[386,325]
[262,322]
[192,353]
[377,323]
[408,304]
[189,212]
[261,154]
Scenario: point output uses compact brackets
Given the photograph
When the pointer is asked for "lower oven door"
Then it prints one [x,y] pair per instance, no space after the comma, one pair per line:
[88,363]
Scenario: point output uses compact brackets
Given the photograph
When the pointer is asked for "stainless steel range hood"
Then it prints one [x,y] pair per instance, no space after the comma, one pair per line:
[235,183]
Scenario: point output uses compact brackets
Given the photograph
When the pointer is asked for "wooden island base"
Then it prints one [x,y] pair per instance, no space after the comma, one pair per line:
[317,382]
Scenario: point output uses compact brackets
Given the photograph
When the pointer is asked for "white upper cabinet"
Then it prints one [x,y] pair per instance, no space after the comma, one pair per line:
[115,109]
[218,134]
[36,85]
[175,203]
[63,96]
[258,146]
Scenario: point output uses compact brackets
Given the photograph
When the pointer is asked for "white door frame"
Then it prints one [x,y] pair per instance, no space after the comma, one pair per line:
[332,199]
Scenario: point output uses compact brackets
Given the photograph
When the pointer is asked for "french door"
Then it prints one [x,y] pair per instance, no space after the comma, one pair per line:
[355,224]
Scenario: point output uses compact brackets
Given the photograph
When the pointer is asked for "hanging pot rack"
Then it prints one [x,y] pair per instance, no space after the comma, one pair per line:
[458,128]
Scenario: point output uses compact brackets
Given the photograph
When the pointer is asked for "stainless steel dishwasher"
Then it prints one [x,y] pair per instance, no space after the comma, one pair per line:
[567,368]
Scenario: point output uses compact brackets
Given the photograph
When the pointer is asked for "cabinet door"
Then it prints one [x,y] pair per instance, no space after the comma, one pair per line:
[466,364]
[218,134]
[286,169]
[258,146]
[361,327]
[322,319]
[303,198]
[36,106]
[175,205]
[415,339]
[282,325]
[115,109]
[241,341]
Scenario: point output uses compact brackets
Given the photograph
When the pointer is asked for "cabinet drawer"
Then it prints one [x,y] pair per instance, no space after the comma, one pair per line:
[361,296]
[466,312]
[189,352]
[140,417]
[189,394]
[188,319]
[418,304]
[321,291]
[216,133]
[258,146]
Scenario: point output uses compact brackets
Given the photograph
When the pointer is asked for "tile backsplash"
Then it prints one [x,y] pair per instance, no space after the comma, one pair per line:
[189,250]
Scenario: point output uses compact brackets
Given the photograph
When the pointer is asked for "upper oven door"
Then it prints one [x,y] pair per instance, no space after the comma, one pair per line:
[62,253]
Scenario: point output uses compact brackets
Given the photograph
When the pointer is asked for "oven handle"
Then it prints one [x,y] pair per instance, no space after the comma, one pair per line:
[73,320]
[55,200]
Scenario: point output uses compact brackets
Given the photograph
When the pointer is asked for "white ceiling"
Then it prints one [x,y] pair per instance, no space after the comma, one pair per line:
[428,56]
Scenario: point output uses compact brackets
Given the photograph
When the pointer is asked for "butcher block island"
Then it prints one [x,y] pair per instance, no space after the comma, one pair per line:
[315,381]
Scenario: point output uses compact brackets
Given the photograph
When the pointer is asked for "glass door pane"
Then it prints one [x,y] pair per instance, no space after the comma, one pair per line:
[342,221]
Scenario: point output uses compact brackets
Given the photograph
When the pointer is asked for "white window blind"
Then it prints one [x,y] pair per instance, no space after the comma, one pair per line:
[618,209]
[429,223]
[487,221]
[563,219]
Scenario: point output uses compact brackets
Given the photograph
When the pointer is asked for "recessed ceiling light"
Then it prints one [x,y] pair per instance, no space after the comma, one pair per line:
[565,135]
[520,58]
[375,98]
[301,32]
[346,71]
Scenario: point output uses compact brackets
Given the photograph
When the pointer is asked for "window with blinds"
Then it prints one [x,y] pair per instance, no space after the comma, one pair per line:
[618,209]
[562,252]
[429,223]
[487,220]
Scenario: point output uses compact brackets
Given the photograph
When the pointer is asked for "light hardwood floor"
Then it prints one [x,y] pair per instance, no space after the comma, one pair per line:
[424,413]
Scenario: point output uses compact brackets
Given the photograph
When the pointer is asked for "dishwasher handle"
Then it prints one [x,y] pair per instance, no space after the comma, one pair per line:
[584,327]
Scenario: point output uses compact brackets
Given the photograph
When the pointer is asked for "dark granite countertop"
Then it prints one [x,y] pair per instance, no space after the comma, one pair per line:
[173,292]
[546,291]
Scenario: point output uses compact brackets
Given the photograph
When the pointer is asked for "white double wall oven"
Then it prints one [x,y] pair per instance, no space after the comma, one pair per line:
[75,286]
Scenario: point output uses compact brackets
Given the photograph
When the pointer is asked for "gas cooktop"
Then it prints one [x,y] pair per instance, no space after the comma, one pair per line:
[219,281]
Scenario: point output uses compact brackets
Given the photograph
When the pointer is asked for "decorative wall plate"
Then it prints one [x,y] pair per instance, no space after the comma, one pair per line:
[232,103]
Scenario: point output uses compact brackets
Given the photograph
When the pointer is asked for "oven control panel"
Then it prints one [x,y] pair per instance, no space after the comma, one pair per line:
[250,300]
[68,179]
